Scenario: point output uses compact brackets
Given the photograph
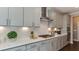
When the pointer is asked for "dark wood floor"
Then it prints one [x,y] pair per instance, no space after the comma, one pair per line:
[71,47]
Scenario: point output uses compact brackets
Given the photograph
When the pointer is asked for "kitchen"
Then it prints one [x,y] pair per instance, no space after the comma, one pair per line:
[36,28]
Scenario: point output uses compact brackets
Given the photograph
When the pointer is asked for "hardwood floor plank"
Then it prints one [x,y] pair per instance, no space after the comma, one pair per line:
[71,47]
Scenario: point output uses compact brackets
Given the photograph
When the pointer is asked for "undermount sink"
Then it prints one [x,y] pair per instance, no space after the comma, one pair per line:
[45,36]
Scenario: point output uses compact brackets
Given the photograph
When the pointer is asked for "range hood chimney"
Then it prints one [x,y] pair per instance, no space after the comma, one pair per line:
[44,14]
[43,11]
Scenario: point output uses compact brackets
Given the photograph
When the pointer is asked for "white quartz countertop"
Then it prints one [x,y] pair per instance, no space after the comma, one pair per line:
[23,41]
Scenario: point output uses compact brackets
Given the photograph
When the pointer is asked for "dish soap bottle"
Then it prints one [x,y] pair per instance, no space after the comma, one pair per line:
[32,35]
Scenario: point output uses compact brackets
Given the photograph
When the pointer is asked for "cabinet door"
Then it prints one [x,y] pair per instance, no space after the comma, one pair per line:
[16,16]
[32,16]
[59,20]
[28,16]
[61,42]
[58,43]
[3,15]
[54,44]
[65,42]
[32,47]
[52,15]
[45,46]
[37,15]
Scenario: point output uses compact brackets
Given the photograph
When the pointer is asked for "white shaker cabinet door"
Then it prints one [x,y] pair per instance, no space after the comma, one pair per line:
[65,42]
[33,47]
[32,16]
[37,15]
[59,43]
[3,15]
[28,16]
[16,16]
[45,46]
[54,44]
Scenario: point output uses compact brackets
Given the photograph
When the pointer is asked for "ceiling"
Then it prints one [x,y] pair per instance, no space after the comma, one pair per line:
[66,9]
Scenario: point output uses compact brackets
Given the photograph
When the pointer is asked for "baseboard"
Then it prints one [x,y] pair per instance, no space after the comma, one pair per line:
[71,42]
[76,40]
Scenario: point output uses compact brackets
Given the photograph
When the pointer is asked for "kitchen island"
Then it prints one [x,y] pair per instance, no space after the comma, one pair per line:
[54,43]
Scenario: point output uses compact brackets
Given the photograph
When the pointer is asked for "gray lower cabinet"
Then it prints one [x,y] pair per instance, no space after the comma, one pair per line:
[45,45]
[62,41]
[53,44]
[65,42]
[59,42]
[39,46]
[33,47]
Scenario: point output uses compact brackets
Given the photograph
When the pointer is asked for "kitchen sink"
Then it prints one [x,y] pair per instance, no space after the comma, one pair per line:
[45,36]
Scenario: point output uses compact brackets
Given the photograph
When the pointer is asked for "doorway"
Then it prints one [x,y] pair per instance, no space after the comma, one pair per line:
[74,29]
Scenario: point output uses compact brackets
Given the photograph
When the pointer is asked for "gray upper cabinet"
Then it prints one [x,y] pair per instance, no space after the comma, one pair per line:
[3,15]
[59,20]
[28,16]
[56,17]
[52,15]
[16,16]
[32,16]
[37,15]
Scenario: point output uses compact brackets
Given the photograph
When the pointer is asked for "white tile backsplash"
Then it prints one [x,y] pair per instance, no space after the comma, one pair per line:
[23,33]
[43,28]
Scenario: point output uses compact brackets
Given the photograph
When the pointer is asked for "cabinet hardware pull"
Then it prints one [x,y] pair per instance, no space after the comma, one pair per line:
[7,21]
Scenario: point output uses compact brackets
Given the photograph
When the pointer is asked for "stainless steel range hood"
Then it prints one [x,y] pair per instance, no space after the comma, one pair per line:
[44,14]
